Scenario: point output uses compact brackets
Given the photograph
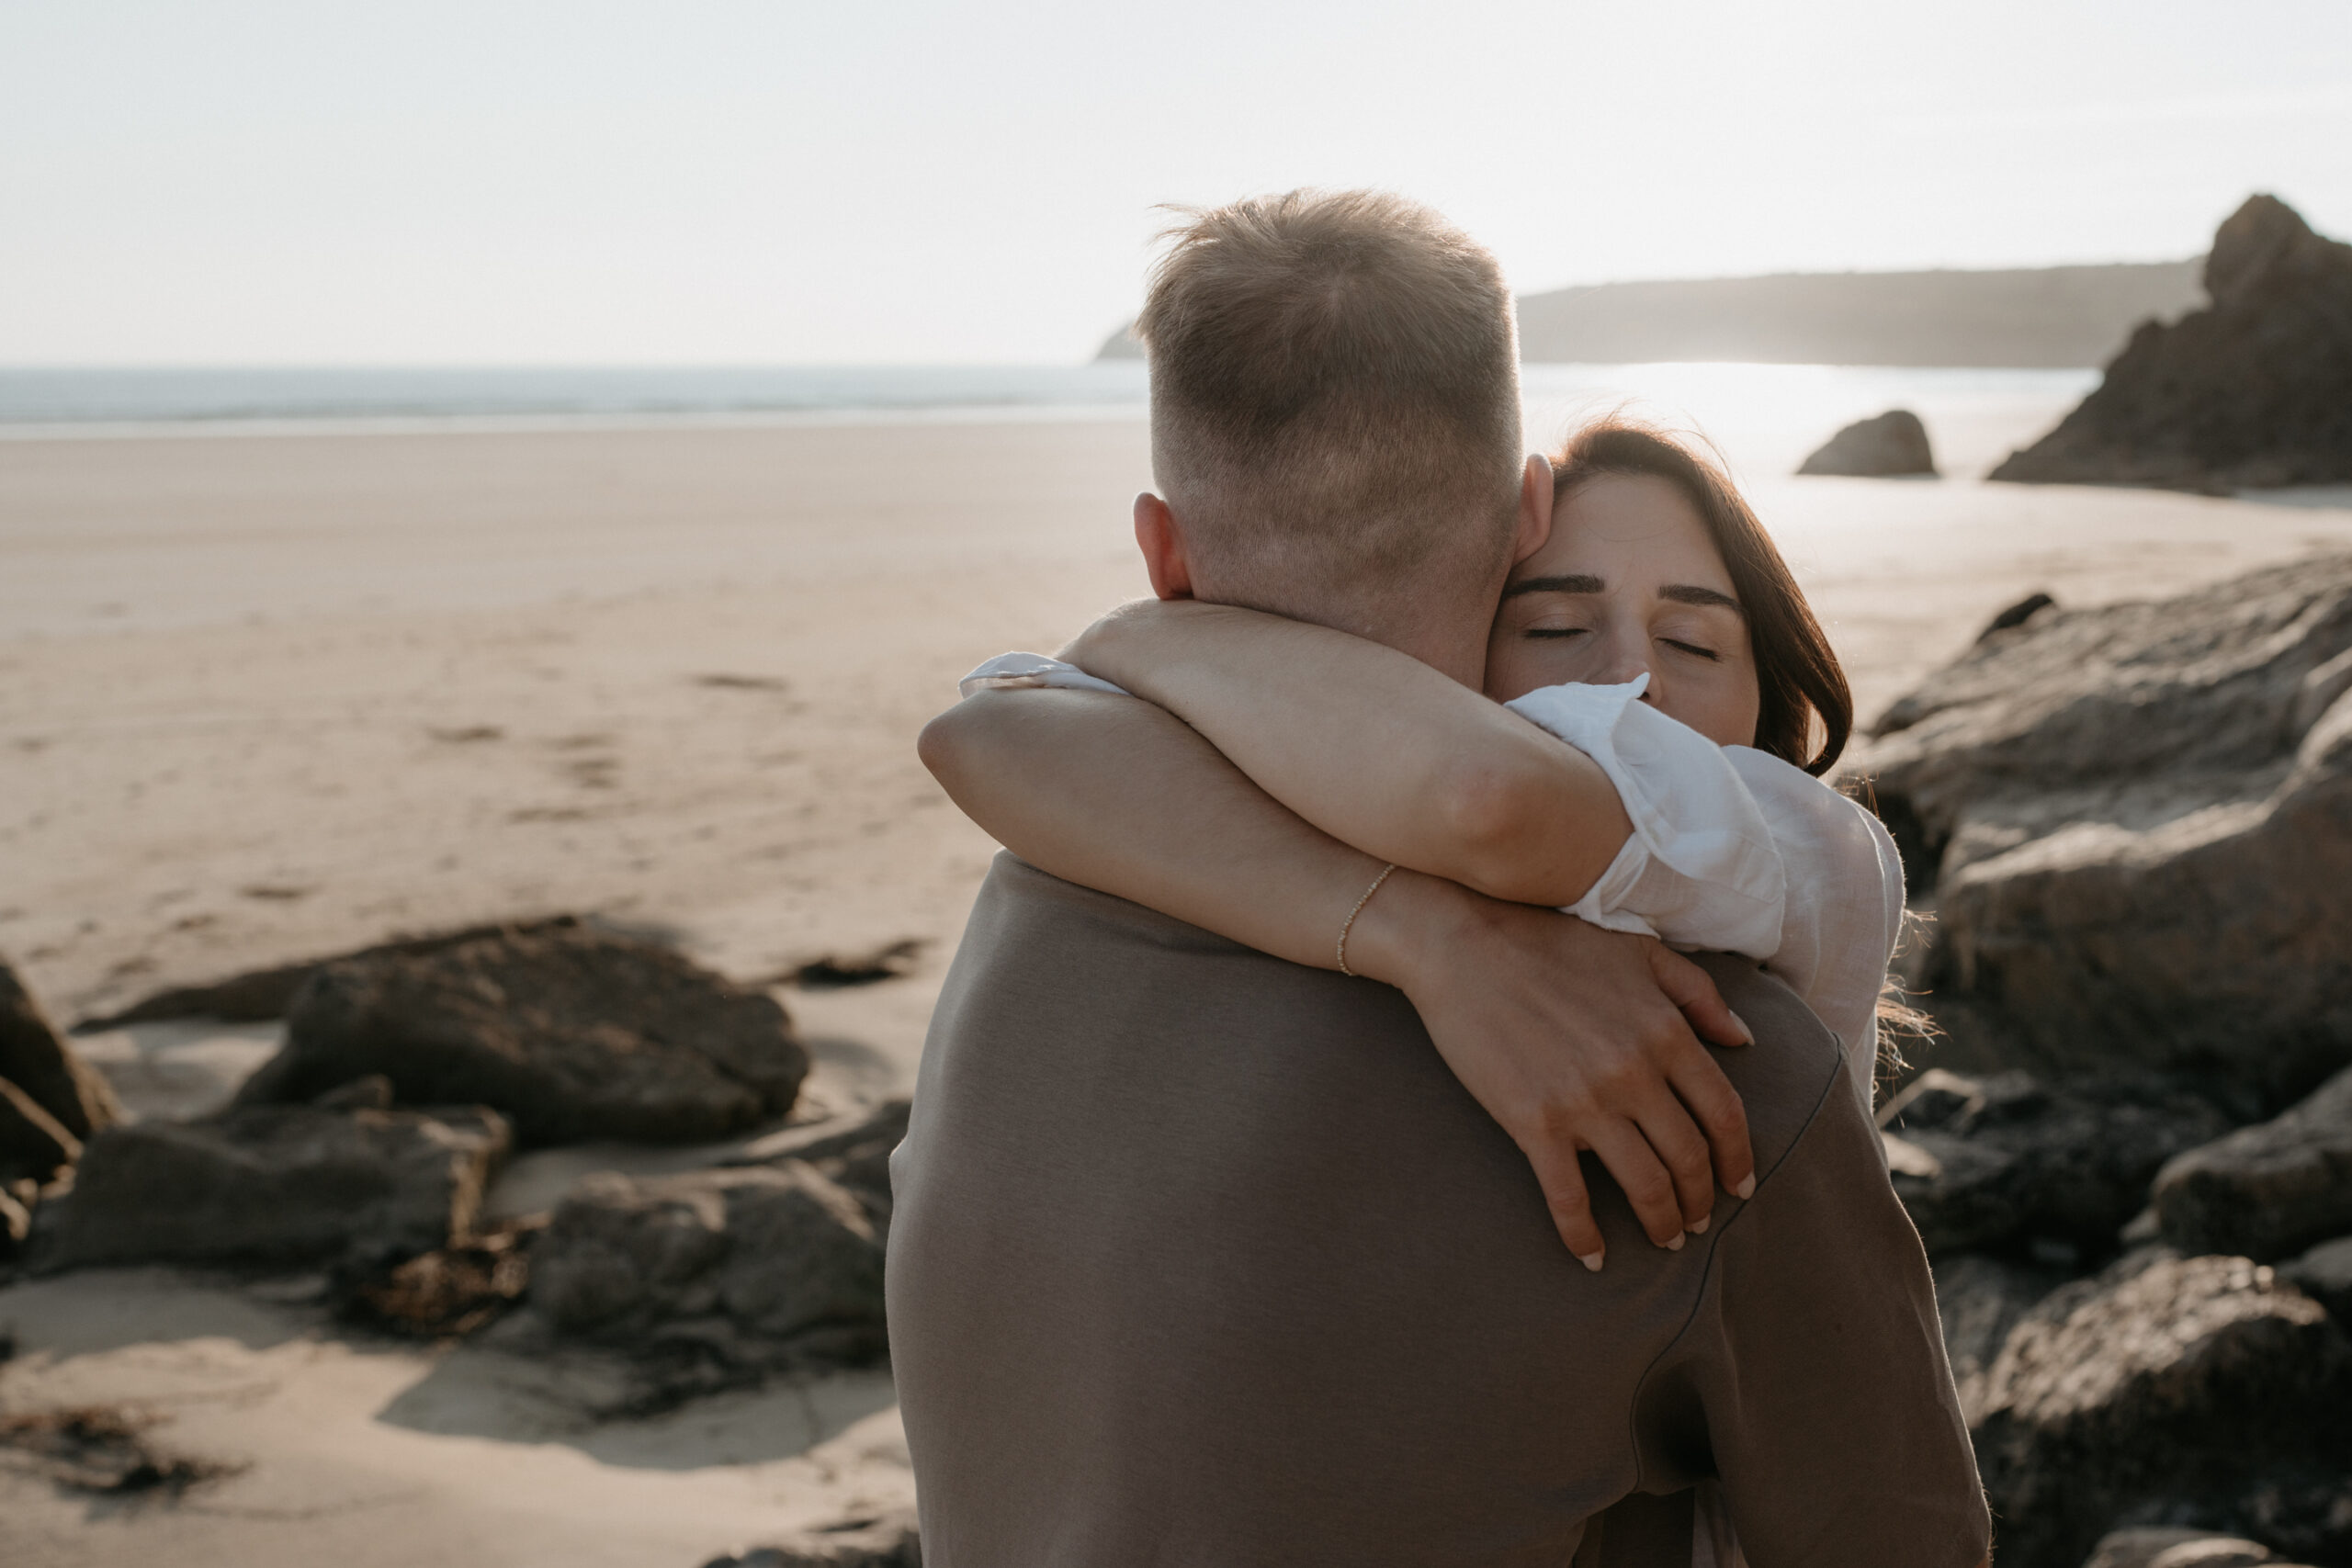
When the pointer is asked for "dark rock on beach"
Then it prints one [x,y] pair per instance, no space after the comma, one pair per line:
[885,1540]
[36,1058]
[2266,1190]
[2254,391]
[1981,1300]
[259,995]
[1889,446]
[570,1032]
[754,1266]
[2008,1164]
[278,1184]
[2173,1547]
[32,1144]
[2134,825]
[855,1154]
[2325,1274]
[2161,1382]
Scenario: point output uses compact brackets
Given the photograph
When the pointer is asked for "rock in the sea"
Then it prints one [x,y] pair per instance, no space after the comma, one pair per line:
[752,1266]
[2134,825]
[1889,446]
[2163,1382]
[2270,1189]
[2007,1162]
[273,1184]
[2254,391]
[35,1057]
[888,1540]
[2325,1274]
[572,1033]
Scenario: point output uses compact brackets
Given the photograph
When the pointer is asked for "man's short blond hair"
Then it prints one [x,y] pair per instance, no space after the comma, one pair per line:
[1334,382]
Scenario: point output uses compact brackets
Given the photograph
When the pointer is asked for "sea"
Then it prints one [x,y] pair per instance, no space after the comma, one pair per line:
[1760,413]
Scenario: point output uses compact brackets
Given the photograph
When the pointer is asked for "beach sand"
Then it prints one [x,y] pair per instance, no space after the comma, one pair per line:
[265,696]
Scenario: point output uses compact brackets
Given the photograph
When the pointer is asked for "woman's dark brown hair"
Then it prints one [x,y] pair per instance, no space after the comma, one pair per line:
[1797,676]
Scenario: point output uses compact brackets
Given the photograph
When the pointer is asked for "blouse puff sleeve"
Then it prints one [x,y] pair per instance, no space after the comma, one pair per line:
[1736,851]
[1733,851]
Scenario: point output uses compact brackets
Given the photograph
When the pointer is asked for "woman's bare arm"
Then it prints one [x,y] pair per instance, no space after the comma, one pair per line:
[1570,1036]
[1372,745]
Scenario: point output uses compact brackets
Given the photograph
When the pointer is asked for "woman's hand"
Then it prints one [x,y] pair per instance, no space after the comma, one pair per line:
[1573,1038]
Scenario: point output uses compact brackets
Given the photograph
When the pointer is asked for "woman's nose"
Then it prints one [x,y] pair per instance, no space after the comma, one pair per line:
[1627,659]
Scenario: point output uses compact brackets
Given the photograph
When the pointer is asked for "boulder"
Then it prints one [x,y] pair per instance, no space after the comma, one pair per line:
[2325,1274]
[273,1185]
[2255,390]
[32,1144]
[1980,1299]
[2161,1382]
[854,1152]
[2007,1162]
[257,995]
[2266,1190]
[572,1032]
[754,1266]
[35,1057]
[886,1541]
[2134,825]
[1889,446]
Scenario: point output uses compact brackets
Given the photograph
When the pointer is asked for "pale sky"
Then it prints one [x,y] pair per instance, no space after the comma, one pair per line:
[242,181]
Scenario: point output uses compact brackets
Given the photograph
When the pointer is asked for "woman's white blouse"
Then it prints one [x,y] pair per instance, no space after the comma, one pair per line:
[1733,851]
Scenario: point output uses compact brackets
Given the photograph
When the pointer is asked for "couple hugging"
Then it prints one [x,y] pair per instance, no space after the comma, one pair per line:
[1352,873]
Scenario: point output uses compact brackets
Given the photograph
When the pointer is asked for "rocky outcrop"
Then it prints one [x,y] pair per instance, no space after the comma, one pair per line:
[2134,825]
[2162,1383]
[277,1185]
[2266,1190]
[2008,1164]
[35,1057]
[572,1033]
[751,1269]
[1888,446]
[2254,391]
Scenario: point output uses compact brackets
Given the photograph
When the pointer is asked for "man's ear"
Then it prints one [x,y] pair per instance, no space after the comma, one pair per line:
[1163,544]
[1534,509]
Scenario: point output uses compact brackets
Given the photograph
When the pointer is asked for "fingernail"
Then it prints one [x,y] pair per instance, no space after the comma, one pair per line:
[1590,1261]
[1699,1227]
[1747,1188]
[1746,1035]
[1675,1245]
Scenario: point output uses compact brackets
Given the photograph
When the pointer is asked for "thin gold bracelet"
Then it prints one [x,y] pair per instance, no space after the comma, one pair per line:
[1349,923]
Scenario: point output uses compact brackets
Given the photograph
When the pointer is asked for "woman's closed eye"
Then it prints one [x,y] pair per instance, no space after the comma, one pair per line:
[1709,654]
[1555,632]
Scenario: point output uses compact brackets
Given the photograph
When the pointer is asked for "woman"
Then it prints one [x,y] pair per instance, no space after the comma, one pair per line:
[1656,631]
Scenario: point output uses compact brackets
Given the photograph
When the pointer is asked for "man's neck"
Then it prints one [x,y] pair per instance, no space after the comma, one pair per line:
[1450,639]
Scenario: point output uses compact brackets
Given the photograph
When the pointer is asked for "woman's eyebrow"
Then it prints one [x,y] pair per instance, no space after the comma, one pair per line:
[1691,593]
[1576,583]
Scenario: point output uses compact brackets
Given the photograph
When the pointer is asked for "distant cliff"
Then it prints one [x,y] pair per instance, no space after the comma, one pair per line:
[2055,316]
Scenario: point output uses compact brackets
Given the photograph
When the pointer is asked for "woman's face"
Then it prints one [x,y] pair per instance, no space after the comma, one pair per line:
[1630,583]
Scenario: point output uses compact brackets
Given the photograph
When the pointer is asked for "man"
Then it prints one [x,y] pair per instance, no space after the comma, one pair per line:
[1203,1257]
